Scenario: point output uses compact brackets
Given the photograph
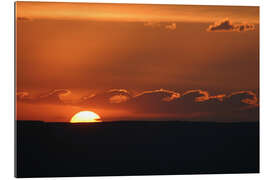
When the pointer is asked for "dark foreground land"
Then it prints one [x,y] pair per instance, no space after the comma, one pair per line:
[135,148]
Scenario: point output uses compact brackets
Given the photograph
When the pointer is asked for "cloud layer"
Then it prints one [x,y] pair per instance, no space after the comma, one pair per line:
[163,103]
[192,103]
[226,25]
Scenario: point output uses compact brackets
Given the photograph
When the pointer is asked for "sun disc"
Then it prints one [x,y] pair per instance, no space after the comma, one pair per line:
[85,117]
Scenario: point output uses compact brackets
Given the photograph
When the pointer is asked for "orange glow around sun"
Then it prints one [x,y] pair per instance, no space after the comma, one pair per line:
[85,117]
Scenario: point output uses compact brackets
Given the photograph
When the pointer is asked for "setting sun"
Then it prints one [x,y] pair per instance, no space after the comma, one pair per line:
[85,117]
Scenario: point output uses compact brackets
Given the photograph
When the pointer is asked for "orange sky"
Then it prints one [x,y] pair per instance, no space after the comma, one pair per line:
[89,49]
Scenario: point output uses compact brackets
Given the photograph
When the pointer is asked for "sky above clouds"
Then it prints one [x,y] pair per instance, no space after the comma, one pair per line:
[136,61]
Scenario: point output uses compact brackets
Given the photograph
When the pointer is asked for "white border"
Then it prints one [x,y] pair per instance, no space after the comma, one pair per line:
[7,89]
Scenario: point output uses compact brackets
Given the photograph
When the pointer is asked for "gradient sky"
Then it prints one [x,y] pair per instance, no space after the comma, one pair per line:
[108,57]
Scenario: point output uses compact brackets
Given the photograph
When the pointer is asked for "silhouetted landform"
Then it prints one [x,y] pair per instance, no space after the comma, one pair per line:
[135,148]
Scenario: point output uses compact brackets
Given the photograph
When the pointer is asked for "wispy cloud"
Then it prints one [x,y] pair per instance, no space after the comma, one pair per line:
[170,26]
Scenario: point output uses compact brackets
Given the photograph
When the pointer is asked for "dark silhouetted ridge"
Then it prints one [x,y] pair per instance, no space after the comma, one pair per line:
[135,148]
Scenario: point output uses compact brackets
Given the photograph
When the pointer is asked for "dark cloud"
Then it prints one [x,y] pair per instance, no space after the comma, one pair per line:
[241,98]
[113,96]
[147,101]
[52,97]
[244,27]
[233,102]
[227,26]
[195,96]
[155,101]
[192,103]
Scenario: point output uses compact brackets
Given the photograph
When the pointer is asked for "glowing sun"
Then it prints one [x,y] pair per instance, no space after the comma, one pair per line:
[85,117]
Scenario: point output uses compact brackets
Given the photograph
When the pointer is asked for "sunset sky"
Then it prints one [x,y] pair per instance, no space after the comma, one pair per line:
[135,62]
